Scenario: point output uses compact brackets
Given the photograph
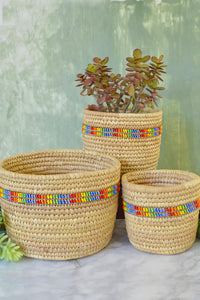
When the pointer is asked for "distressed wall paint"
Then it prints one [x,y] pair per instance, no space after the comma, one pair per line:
[45,43]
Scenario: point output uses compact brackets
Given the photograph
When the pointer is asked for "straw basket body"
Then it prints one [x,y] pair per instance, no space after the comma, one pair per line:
[132,138]
[59,204]
[161,210]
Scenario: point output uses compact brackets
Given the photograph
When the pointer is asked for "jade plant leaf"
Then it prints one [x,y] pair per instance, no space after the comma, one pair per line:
[137,53]
[131,90]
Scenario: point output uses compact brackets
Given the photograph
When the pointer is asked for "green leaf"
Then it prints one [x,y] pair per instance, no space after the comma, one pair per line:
[8,250]
[131,90]
[91,68]
[137,53]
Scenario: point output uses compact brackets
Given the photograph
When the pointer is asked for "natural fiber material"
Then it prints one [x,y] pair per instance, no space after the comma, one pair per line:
[59,230]
[134,153]
[164,210]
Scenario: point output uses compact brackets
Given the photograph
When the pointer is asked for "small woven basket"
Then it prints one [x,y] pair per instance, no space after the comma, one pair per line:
[59,204]
[161,210]
[132,138]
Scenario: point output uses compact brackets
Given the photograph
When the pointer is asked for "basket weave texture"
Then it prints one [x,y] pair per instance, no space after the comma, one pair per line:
[160,213]
[60,228]
[133,153]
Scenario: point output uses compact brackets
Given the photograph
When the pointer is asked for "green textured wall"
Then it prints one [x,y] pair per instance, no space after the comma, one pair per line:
[45,43]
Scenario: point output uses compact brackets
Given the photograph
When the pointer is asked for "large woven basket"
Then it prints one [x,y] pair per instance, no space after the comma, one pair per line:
[59,204]
[132,138]
[161,210]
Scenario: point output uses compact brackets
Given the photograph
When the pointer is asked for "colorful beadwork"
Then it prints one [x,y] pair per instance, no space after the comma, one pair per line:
[124,133]
[60,198]
[161,212]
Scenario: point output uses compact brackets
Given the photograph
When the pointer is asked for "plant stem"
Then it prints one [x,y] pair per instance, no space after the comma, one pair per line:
[137,99]
[127,105]
[109,107]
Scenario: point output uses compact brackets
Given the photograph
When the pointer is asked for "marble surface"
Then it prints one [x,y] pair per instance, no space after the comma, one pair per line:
[117,272]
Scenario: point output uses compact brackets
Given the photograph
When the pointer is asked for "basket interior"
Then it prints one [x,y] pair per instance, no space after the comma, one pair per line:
[160,178]
[57,162]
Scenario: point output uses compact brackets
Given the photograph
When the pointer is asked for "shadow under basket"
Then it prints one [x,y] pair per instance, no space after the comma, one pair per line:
[161,210]
[59,204]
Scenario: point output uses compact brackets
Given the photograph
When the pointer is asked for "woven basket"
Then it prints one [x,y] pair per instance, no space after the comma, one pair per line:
[59,204]
[132,138]
[161,210]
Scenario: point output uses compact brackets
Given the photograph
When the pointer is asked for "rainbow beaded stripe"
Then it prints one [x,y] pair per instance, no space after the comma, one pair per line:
[60,198]
[123,133]
[161,212]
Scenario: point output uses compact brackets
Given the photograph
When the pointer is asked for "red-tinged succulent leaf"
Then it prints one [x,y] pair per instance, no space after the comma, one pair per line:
[141,105]
[131,65]
[83,92]
[131,90]
[80,75]
[129,69]
[130,59]
[153,83]
[101,100]
[154,59]
[145,58]
[137,53]
[161,58]
[163,66]
[116,96]
[91,68]
[144,96]
[81,84]
[93,107]
[89,92]
[160,88]
[97,60]
[159,78]
[144,66]
[107,69]
[141,76]
[105,61]
[126,100]
[87,81]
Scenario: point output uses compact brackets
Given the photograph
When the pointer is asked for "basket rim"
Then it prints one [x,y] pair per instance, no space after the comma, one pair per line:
[150,188]
[121,115]
[4,171]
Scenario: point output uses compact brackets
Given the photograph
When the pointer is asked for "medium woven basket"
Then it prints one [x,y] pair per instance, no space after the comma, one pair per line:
[59,204]
[161,210]
[132,138]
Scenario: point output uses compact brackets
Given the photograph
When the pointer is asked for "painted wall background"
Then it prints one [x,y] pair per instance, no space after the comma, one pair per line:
[45,43]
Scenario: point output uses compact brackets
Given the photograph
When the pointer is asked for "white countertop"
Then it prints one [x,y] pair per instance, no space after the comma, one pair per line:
[117,272]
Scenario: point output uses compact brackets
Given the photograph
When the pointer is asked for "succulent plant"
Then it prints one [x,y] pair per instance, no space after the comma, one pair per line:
[132,93]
